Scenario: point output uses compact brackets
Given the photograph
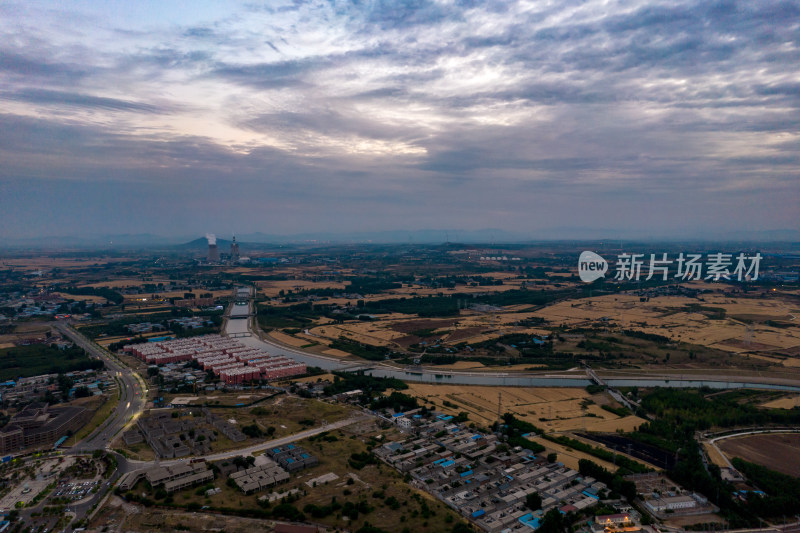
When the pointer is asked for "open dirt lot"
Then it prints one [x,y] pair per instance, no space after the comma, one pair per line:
[778,451]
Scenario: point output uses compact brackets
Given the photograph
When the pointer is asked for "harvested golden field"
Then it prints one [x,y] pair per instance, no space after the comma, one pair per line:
[552,409]
[366,332]
[336,353]
[463,365]
[273,288]
[287,339]
[311,339]
[788,402]
[687,319]
[571,457]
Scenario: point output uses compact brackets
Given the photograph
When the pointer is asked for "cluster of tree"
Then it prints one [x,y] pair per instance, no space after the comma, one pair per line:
[782,491]
[243,462]
[453,281]
[292,316]
[555,522]
[619,411]
[104,292]
[366,285]
[347,381]
[513,428]
[254,432]
[365,351]
[425,307]
[115,346]
[521,296]
[614,481]
[362,459]
[658,339]
[682,412]
[397,401]
[37,359]
[624,462]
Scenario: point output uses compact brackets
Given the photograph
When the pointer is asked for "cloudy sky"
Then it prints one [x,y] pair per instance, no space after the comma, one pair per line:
[543,117]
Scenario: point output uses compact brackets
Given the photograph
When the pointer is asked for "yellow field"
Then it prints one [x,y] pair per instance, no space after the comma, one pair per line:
[313,379]
[571,457]
[365,332]
[552,409]
[789,402]
[336,353]
[287,339]
[666,315]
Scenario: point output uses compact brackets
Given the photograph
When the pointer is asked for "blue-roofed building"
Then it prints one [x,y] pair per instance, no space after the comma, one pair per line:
[530,520]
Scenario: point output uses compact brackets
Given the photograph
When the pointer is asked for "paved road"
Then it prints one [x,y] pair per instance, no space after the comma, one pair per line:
[132,390]
[132,400]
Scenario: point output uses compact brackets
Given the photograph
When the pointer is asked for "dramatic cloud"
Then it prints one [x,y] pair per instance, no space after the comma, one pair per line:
[657,118]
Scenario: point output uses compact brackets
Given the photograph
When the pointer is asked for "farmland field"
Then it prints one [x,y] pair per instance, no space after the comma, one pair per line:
[777,451]
[552,409]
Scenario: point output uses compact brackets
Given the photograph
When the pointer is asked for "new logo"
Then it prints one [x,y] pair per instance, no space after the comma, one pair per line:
[591,267]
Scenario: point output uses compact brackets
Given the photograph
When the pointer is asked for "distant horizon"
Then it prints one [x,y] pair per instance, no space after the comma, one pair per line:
[486,236]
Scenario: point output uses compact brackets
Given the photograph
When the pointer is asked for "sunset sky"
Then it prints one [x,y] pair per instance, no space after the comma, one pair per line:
[648,119]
